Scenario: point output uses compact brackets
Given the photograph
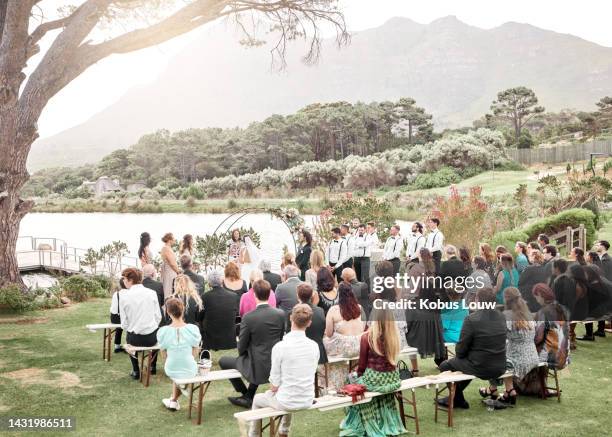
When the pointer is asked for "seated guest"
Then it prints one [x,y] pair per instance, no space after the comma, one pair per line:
[452,319]
[317,262]
[140,316]
[453,267]
[247,301]
[377,370]
[184,289]
[480,279]
[288,260]
[273,278]
[535,273]
[508,276]
[232,280]
[178,339]
[219,315]
[149,274]
[294,363]
[260,330]
[115,317]
[481,349]
[326,286]
[360,289]
[343,329]
[187,267]
[316,330]
[521,354]
[286,293]
[490,260]
[600,301]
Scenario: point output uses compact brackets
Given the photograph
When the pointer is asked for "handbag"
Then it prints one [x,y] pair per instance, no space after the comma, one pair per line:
[404,371]
[355,391]
[205,362]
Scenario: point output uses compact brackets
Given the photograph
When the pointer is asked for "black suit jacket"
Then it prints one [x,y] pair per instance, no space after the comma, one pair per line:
[453,268]
[605,264]
[219,319]
[529,277]
[157,287]
[565,292]
[481,350]
[198,280]
[315,331]
[273,279]
[260,330]
[362,293]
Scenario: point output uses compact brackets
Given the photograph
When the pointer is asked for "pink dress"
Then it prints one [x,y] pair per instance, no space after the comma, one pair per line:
[248,302]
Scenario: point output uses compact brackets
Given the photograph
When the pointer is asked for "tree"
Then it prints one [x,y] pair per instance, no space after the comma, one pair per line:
[518,105]
[73,49]
[412,120]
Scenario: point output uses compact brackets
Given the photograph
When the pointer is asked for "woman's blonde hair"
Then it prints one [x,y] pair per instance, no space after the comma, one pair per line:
[255,275]
[317,260]
[288,259]
[521,316]
[184,287]
[383,335]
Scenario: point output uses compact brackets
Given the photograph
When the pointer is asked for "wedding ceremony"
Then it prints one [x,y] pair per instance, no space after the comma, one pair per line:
[305,217]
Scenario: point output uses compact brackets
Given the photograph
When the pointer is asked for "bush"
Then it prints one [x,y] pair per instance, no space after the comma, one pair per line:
[441,178]
[80,287]
[15,299]
[559,222]
[106,283]
[508,239]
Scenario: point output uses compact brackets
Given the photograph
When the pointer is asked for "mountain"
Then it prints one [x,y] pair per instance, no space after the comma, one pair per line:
[452,69]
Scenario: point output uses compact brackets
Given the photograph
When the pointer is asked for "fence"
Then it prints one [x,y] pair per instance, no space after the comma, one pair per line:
[559,154]
[570,238]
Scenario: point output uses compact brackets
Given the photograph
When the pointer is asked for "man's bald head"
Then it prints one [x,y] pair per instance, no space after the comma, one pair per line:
[348,274]
[148,271]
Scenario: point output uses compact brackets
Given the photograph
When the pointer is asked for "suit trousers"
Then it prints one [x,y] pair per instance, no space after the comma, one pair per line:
[396,265]
[142,340]
[230,363]
[116,318]
[437,258]
[459,386]
[362,268]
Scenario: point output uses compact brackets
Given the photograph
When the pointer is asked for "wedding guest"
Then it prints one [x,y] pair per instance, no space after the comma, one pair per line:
[260,330]
[435,241]
[360,289]
[507,277]
[592,258]
[140,316]
[187,267]
[180,340]
[521,256]
[549,253]
[219,315]
[185,291]
[303,257]
[599,296]
[481,350]
[286,293]
[393,248]
[235,247]
[452,268]
[316,330]
[169,268]
[577,255]
[466,258]
[288,260]
[317,261]
[150,274]
[247,301]
[115,315]
[273,278]
[480,279]
[232,280]
[326,286]
[294,363]
[186,246]
[490,259]
[605,261]
[521,353]
[377,370]
[533,274]
[343,329]
[543,240]
[145,254]
[452,318]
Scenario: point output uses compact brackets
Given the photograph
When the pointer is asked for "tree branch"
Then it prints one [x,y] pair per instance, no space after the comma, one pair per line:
[43,28]
[3,8]
[15,20]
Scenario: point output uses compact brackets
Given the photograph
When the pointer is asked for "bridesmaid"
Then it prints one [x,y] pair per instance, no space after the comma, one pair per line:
[144,251]
[169,268]
[186,246]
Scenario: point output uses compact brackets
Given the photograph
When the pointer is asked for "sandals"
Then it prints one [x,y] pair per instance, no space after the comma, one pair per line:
[486,392]
[508,397]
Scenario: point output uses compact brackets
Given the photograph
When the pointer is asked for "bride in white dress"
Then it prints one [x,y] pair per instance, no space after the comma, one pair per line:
[250,256]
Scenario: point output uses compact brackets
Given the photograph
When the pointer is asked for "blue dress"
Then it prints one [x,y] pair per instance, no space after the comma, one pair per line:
[509,281]
[521,262]
[178,342]
[452,322]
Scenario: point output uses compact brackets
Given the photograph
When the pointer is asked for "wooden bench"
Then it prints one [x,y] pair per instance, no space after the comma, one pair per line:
[328,402]
[543,373]
[144,355]
[449,381]
[201,384]
[108,329]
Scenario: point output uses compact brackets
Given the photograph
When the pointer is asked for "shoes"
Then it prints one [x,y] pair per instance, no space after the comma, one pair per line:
[487,392]
[599,333]
[508,398]
[119,348]
[171,405]
[443,402]
[241,401]
[586,338]
[135,375]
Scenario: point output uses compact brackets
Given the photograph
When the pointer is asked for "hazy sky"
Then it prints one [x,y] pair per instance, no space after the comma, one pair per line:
[105,82]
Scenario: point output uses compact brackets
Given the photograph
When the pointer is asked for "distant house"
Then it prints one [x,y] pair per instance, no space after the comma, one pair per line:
[103,185]
[135,187]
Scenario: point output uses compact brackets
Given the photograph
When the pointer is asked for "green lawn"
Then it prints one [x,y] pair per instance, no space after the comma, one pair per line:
[105,401]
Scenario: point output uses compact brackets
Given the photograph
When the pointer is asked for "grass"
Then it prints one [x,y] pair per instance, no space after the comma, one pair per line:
[105,401]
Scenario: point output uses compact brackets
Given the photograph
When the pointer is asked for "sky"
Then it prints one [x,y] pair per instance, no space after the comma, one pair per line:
[107,81]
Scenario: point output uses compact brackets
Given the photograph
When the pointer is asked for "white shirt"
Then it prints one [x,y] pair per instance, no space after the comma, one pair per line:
[337,251]
[114,308]
[393,248]
[294,363]
[365,244]
[140,313]
[435,241]
[415,242]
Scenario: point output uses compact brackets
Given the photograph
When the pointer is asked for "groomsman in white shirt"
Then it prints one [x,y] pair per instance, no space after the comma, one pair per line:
[435,241]
[337,253]
[365,241]
[393,248]
[414,243]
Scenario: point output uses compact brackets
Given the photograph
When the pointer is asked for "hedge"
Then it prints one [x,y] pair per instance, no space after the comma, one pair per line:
[508,239]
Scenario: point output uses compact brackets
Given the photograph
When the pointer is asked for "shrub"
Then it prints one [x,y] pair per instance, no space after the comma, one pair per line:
[15,299]
[190,202]
[508,239]
[441,178]
[79,287]
[107,284]
[559,222]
